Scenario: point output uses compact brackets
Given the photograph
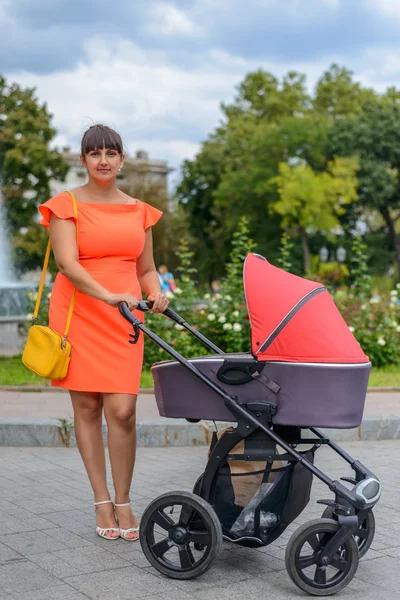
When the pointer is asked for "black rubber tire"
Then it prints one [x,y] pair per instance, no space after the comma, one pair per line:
[209,520]
[365,542]
[320,529]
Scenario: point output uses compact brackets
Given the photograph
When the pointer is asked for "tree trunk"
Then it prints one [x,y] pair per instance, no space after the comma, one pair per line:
[306,250]
[394,238]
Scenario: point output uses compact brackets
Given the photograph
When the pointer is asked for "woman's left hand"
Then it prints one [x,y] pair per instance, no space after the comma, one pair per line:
[160,303]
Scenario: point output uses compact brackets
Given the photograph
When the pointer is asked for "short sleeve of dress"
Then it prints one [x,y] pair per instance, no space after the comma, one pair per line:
[60,205]
[150,215]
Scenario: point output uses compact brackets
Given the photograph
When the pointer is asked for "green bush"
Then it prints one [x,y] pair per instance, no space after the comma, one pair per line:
[375,322]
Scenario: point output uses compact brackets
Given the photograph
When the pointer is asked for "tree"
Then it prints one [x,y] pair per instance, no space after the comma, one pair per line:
[27,163]
[337,95]
[269,122]
[262,97]
[374,136]
[312,201]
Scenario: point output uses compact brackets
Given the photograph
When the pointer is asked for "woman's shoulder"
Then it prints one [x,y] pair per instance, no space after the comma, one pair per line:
[60,205]
[151,214]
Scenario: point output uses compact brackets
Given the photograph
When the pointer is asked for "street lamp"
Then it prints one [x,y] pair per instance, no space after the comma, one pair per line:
[341,254]
[323,254]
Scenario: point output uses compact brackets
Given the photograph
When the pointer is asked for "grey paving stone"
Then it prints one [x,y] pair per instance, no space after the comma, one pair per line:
[90,559]
[67,538]
[32,542]
[8,555]
[54,565]
[122,584]
[61,592]
[25,576]
[89,567]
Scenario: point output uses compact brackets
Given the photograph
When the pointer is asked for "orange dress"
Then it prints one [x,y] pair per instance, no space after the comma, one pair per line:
[111,238]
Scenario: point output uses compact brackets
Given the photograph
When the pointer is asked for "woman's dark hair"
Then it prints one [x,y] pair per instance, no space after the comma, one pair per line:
[98,137]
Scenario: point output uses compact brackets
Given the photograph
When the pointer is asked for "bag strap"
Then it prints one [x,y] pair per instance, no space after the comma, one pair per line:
[43,277]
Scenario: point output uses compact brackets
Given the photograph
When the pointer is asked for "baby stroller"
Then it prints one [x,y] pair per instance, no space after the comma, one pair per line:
[305,370]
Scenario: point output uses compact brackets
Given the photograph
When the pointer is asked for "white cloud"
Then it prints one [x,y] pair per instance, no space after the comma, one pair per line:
[154,104]
[390,8]
[167,20]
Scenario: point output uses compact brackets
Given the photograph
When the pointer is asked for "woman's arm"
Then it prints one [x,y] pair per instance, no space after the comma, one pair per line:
[148,276]
[65,249]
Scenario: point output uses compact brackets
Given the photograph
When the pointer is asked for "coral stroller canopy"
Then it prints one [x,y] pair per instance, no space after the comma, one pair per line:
[293,319]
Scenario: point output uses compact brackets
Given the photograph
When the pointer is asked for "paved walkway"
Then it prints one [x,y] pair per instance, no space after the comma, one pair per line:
[57,405]
[49,551]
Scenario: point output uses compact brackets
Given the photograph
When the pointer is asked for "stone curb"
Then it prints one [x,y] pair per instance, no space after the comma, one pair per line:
[50,388]
[169,432]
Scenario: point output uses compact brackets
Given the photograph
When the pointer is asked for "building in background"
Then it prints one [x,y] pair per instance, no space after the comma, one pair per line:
[139,174]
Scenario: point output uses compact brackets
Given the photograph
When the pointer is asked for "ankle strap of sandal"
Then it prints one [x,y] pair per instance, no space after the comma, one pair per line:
[103,502]
[126,504]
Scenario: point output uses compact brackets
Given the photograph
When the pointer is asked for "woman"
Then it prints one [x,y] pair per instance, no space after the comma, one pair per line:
[113,263]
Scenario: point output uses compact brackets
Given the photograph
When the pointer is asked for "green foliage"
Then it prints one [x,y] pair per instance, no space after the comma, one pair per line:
[375,322]
[284,260]
[310,199]
[242,245]
[332,274]
[360,276]
[269,123]
[27,164]
[374,136]
[337,95]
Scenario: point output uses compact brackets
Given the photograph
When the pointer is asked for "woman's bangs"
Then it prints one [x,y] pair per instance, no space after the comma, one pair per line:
[98,138]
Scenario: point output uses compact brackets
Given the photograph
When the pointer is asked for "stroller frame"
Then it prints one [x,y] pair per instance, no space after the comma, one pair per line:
[350,506]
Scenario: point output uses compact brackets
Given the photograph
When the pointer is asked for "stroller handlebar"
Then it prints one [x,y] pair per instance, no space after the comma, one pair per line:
[145,306]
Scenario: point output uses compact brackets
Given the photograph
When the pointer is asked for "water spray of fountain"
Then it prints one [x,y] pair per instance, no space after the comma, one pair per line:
[13,293]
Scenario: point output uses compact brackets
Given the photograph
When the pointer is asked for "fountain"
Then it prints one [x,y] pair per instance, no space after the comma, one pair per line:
[13,294]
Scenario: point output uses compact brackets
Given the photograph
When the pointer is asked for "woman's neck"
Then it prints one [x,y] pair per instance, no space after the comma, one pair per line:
[103,192]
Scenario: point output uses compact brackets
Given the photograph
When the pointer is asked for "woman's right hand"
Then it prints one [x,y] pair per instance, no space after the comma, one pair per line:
[115,299]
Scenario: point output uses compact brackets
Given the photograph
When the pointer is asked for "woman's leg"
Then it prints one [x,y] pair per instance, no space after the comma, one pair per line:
[120,414]
[89,438]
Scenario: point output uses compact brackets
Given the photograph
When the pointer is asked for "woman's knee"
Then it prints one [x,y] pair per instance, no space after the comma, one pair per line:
[87,406]
[122,413]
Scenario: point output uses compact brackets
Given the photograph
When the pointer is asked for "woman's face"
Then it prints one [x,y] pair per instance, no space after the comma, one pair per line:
[103,165]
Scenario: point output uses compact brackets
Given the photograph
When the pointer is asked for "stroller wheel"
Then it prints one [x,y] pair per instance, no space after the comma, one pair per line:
[304,555]
[180,535]
[365,533]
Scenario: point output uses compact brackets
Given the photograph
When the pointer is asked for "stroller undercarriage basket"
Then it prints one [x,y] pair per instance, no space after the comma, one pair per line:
[255,507]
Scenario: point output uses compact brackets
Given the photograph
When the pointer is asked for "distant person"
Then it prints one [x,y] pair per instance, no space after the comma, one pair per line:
[167,280]
[215,287]
[111,262]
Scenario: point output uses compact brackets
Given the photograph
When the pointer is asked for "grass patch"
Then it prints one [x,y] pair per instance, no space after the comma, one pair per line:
[13,372]
[385,376]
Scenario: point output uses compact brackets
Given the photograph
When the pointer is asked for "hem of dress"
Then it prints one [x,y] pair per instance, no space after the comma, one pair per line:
[58,383]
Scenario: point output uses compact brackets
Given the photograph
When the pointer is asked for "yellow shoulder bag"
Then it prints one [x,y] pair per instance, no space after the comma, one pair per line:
[46,352]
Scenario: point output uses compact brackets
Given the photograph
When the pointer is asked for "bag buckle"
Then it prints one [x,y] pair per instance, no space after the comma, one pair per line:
[64,342]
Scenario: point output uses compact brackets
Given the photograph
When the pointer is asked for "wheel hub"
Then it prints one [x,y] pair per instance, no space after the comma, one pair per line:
[179,535]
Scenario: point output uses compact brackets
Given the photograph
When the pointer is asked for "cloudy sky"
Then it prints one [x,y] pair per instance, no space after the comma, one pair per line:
[157,70]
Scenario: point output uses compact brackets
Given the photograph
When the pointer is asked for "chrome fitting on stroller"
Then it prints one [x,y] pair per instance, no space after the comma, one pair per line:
[305,371]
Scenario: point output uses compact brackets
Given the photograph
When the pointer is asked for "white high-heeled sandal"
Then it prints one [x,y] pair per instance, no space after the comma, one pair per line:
[101,531]
[124,532]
